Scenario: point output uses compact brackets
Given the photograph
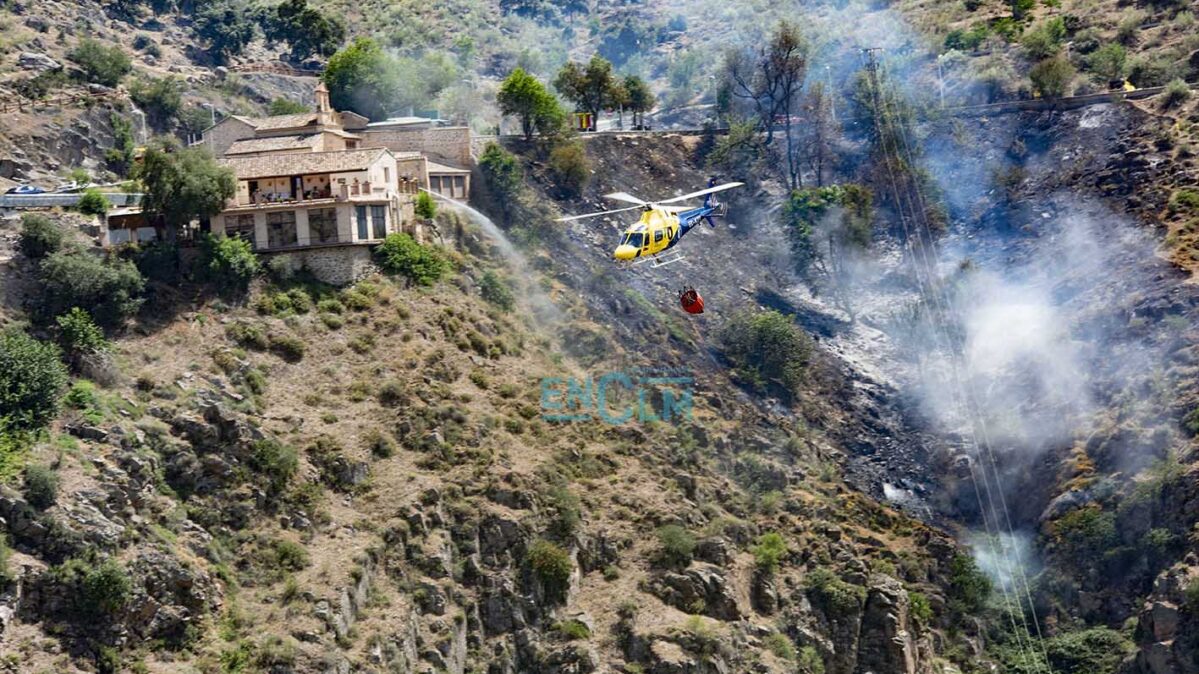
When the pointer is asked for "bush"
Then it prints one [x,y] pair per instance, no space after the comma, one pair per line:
[301,301]
[41,486]
[40,236]
[780,645]
[228,263]
[552,567]
[969,587]
[922,610]
[78,334]
[98,590]
[382,446]
[426,208]
[248,336]
[767,346]
[810,661]
[1184,199]
[567,515]
[966,40]
[1098,649]
[1108,62]
[391,394]
[1176,93]
[401,254]
[161,99]
[1045,39]
[835,596]
[275,460]
[569,167]
[769,551]
[32,379]
[101,64]
[677,545]
[1152,72]
[287,347]
[289,555]
[108,289]
[92,202]
[1051,77]
[572,630]
[503,178]
[496,290]
[286,106]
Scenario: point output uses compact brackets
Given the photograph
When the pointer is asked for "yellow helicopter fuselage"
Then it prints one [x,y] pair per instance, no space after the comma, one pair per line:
[657,230]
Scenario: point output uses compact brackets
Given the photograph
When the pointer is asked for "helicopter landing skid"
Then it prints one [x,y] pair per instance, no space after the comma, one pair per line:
[656,262]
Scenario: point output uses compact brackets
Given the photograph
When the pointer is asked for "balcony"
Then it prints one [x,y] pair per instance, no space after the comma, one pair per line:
[273,198]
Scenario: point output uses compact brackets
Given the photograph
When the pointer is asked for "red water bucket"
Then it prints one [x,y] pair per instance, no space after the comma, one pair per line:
[691,301]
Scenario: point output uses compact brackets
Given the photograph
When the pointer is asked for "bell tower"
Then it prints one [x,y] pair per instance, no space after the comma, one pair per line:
[323,107]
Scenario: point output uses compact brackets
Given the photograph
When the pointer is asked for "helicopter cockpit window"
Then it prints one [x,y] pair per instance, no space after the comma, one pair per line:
[634,239]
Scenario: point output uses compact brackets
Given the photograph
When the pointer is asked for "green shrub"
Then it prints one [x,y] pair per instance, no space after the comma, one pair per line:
[288,555]
[835,596]
[1109,62]
[769,551]
[108,289]
[780,645]
[552,567]
[969,587]
[1176,93]
[41,486]
[106,65]
[966,40]
[382,446]
[497,290]
[82,396]
[1087,532]
[677,545]
[569,167]
[98,591]
[572,630]
[1191,593]
[5,575]
[161,99]
[1051,77]
[503,177]
[288,348]
[426,208]
[275,460]
[228,263]
[248,336]
[357,300]
[301,301]
[767,346]
[1093,651]
[286,106]
[40,236]
[922,610]
[401,254]
[392,393]
[32,379]
[93,202]
[1045,39]
[78,333]
[567,514]
[1145,71]
[810,661]
[332,321]
[331,306]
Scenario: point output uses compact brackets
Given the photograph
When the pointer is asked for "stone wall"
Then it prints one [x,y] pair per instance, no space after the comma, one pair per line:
[449,144]
[339,266]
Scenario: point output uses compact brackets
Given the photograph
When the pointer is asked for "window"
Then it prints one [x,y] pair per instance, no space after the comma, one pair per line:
[117,236]
[145,234]
[322,225]
[435,184]
[634,240]
[240,227]
[281,229]
[360,218]
[658,236]
[379,220]
[386,175]
[459,191]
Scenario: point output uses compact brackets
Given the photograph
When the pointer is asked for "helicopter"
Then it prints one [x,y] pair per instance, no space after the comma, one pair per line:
[662,224]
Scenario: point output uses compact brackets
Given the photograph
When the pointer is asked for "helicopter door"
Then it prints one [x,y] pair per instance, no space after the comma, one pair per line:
[658,236]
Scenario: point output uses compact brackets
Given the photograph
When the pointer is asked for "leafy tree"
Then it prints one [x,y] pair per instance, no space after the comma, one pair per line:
[401,254]
[677,545]
[108,289]
[32,380]
[309,32]
[276,461]
[1052,77]
[969,587]
[286,106]
[182,185]
[769,551]
[224,28]
[525,96]
[1109,61]
[590,87]
[78,334]
[101,64]
[503,177]
[1177,92]
[569,167]
[160,98]
[120,156]
[194,119]
[639,97]
[767,346]
[1021,8]
[93,202]
[426,207]
[105,589]
[40,236]
[1045,39]
[363,78]
[229,263]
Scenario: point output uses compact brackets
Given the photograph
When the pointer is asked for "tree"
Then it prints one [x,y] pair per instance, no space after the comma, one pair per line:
[503,178]
[401,254]
[108,289]
[1109,62]
[92,202]
[229,263]
[224,28]
[79,335]
[40,236]
[101,64]
[32,379]
[182,185]
[589,87]
[551,565]
[120,156]
[817,134]
[1052,77]
[309,32]
[425,207]
[640,99]
[569,167]
[525,96]
[363,78]
[767,347]
[770,81]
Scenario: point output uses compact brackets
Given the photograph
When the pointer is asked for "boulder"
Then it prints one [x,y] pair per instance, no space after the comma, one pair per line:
[35,62]
[702,588]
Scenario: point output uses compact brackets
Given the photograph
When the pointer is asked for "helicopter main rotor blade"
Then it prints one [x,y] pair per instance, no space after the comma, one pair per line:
[596,215]
[626,197]
[710,190]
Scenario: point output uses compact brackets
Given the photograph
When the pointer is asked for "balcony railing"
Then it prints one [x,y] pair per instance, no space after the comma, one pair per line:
[341,193]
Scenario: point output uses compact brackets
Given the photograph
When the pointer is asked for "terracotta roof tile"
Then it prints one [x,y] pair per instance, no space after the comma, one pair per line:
[299,163]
